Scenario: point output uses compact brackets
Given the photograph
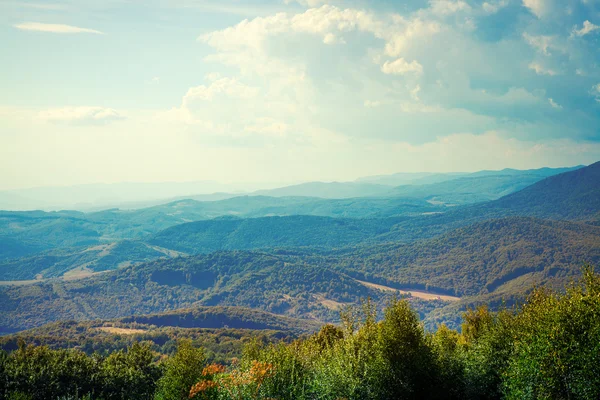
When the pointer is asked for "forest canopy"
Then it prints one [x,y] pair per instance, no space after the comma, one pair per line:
[545,348]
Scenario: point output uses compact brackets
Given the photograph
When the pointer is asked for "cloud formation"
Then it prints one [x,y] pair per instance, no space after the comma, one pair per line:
[81,115]
[54,28]
[587,28]
[401,67]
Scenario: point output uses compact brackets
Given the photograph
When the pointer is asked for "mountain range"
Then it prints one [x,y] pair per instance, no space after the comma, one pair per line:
[446,245]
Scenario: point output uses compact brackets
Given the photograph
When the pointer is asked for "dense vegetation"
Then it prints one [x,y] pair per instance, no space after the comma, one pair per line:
[501,257]
[270,232]
[481,258]
[275,283]
[219,344]
[57,262]
[547,348]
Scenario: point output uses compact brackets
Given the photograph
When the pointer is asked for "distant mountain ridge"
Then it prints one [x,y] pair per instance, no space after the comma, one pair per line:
[93,197]
[571,195]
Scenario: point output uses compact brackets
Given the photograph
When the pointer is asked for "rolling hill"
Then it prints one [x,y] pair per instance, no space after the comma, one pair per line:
[504,256]
[270,232]
[483,257]
[222,331]
[79,261]
[278,283]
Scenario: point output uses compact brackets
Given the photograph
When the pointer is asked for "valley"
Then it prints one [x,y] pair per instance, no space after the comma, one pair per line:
[302,266]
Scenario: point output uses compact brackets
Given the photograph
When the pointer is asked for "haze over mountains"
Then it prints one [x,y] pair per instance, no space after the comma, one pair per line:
[138,195]
[489,235]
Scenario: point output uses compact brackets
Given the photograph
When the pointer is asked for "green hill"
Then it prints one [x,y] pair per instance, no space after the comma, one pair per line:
[282,284]
[270,232]
[223,330]
[483,257]
[58,262]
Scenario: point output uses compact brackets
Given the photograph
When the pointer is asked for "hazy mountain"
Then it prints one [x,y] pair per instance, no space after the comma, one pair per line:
[467,190]
[133,195]
[407,178]
[402,179]
[126,195]
[329,190]
[571,195]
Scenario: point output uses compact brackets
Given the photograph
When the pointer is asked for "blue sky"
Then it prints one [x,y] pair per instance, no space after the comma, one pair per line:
[293,90]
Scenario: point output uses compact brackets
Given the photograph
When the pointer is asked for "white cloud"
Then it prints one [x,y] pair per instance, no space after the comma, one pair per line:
[414,93]
[397,42]
[541,70]
[494,6]
[81,115]
[596,92]
[330,38]
[542,44]
[554,104]
[229,87]
[447,7]
[54,28]
[587,28]
[308,3]
[402,67]
[537,7]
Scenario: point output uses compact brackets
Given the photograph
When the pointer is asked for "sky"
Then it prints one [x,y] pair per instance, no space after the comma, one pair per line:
[284,91]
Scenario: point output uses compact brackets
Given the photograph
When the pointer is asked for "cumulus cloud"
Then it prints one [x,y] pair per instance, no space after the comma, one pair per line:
[537,7]
[472,85]
[402,67]
[447,7]
[399,39]
[541,70]
[542,43]
[54,28]
[229,87]
[587,28]
[553,103]
[493,7]
[81,115]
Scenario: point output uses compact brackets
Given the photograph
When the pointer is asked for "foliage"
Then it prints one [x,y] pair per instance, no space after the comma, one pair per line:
[547,348]
[181,371]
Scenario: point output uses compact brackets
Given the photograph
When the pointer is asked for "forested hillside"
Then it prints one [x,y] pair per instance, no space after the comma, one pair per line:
[270,232]
[547,346]
[483,257]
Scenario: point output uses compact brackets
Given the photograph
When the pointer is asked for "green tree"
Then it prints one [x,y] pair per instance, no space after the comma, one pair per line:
[557,349]
[181,372]
[130,375]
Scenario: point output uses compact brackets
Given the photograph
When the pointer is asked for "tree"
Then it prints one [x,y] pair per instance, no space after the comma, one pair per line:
[181,372]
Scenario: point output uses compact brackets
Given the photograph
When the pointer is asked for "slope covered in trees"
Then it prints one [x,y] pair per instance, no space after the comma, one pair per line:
[274,283]
[269,232]
[58,262]
[504,256]
[482,257]
[546,348]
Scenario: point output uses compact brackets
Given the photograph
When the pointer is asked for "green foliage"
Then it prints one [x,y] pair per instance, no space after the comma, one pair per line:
[181,372]
[558,345]
[130,374]
[548,349]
